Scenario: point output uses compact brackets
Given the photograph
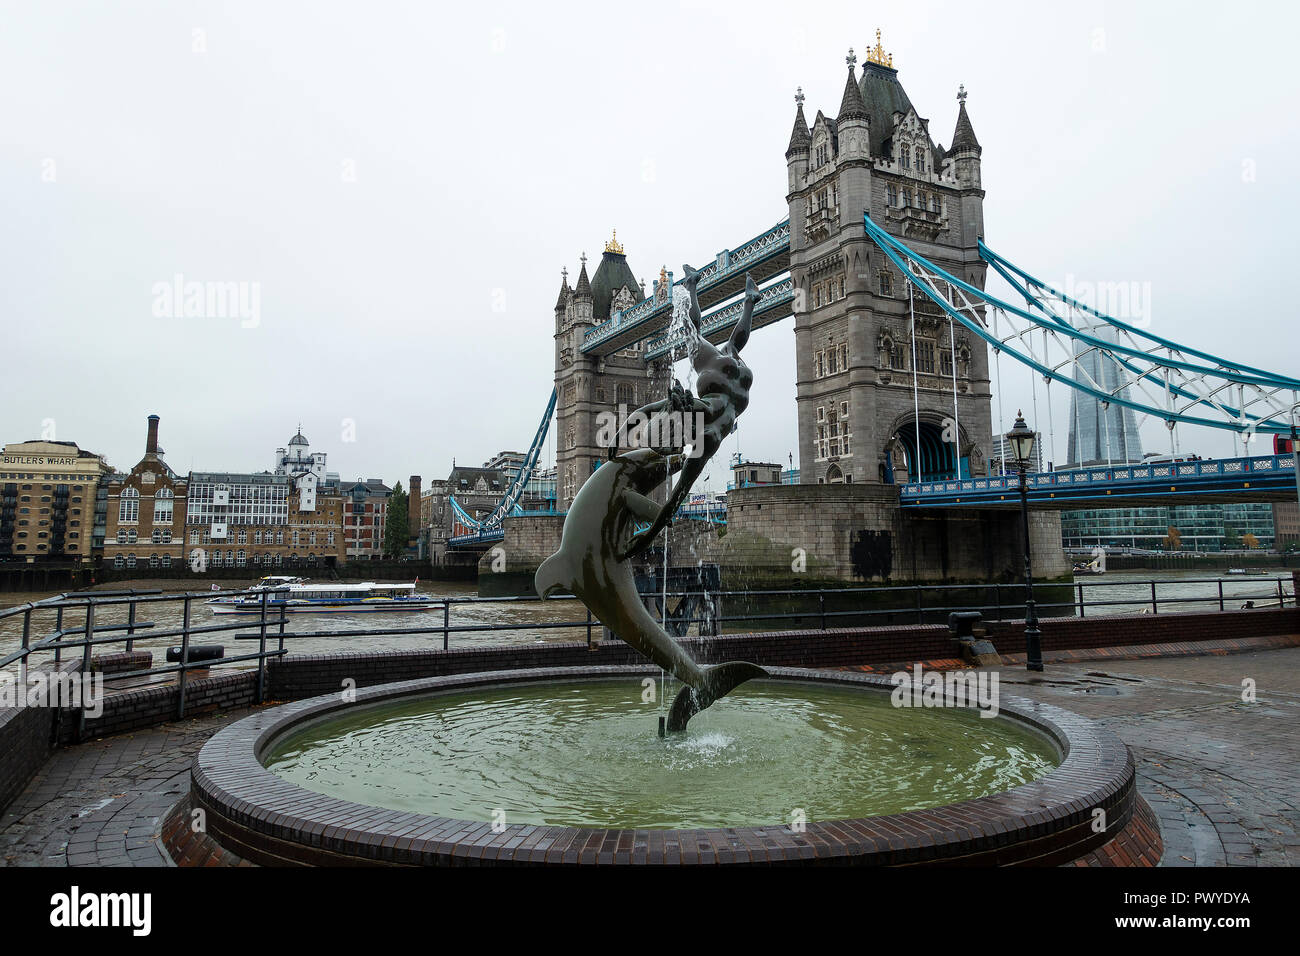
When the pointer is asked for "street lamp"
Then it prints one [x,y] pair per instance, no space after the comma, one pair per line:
[1021,441]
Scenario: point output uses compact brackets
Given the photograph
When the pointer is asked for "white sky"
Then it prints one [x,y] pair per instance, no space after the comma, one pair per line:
[493,143]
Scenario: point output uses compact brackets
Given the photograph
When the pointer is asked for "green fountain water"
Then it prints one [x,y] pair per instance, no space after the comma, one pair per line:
[587,755]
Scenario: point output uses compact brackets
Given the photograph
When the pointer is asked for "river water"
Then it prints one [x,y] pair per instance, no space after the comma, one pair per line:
[532,621]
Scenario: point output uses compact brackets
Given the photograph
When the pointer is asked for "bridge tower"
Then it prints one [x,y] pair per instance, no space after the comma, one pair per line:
[854,320]
[588,385]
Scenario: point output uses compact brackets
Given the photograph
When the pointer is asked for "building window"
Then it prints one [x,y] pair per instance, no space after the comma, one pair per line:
[130,560]
[155,537]
[925,356]
[907,198]
[945,363]
[121,536]
[130,536]
[119,562]
[162,506]
[891,194]
[920,160]
[886,282]
[128,508]
[905,157]
[166,560]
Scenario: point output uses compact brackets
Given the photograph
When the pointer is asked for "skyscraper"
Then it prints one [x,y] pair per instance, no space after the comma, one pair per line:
[1100,431]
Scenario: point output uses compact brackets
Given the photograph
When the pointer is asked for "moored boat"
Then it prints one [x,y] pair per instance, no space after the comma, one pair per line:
[328,598]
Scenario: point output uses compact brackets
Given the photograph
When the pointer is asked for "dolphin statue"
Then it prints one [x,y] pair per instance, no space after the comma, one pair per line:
[593,565]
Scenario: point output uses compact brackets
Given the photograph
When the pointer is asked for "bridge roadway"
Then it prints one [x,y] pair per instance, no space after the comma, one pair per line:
[1263,478]
[766,256]
[1157,484]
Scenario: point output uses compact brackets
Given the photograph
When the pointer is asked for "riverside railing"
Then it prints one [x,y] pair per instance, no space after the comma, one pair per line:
[811,607]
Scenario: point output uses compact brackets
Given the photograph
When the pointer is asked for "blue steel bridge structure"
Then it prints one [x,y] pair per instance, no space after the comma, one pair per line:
[1037,329]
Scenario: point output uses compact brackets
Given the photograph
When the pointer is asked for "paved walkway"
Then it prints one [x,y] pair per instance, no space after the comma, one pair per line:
[1223,776]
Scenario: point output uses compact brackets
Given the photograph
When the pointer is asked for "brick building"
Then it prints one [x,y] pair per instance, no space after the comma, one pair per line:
[292,517]
[145,514]
[47,501]
[364,515]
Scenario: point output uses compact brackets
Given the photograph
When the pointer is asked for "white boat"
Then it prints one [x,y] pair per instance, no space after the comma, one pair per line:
[304,598]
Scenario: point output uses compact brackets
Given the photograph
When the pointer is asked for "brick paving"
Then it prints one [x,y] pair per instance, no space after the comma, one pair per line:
[1221,775]
[101,803]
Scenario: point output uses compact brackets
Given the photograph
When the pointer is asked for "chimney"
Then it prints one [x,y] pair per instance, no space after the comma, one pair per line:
[151,443]
[413,507]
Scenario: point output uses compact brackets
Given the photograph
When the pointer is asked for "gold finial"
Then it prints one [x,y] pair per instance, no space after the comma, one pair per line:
[613,245]
[878,55]
[663,273]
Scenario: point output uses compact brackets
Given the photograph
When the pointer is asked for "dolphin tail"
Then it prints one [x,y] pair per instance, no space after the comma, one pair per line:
[550,576]
[719,680]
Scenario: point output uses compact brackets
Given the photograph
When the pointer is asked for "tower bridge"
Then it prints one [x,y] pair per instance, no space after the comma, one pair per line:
[899,349]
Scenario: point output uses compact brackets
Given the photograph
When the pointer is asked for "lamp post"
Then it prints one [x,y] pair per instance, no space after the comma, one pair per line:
[1021,440]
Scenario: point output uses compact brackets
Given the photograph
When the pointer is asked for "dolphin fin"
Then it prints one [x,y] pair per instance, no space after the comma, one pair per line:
[548,577]
[719,680]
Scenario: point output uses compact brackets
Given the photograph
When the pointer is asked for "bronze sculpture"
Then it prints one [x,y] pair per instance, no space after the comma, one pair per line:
[600,536]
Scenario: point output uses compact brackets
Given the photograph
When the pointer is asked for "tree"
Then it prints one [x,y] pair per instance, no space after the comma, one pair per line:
[1250,541]
[1173,539]
[397,524]
[1231,539]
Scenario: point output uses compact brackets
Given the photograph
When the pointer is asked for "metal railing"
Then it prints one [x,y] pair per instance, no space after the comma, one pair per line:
[819,608]
[88,633]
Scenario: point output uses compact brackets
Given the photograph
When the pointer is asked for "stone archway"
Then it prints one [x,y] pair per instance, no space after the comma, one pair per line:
[937,457]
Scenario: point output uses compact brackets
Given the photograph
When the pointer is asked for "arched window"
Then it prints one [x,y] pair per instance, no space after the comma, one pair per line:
[153,560]
[905,157]
[128,508]
[162,506]
[920,160]
[215,559]
[130,535]
[166,560]
[121,536]
[241,558]
[119,561]
[130,560]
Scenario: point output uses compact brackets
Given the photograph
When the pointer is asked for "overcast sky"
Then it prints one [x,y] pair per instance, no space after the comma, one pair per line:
[401,183]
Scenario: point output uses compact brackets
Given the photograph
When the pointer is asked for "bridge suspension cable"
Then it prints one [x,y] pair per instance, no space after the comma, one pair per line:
[463,523]
[1169,381]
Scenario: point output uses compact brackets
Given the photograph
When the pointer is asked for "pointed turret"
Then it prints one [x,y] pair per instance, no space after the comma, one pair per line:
[852,106]
[583,289]
[964,153]
[565,291]
[800,136]
[963,136]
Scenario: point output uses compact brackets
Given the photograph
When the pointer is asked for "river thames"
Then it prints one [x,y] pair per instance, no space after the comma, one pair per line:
[533,621]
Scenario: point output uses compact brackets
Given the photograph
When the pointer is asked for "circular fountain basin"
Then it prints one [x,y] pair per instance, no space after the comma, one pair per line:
[588,755]
[564,766]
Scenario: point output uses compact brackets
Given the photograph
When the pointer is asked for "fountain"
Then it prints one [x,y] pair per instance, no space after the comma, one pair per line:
[601,535]
[554,765]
